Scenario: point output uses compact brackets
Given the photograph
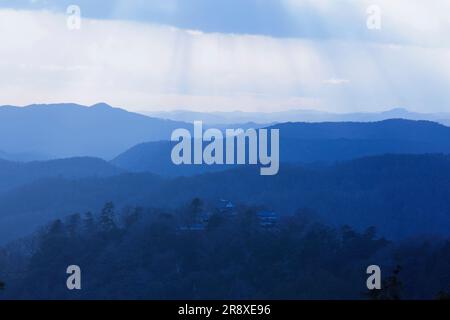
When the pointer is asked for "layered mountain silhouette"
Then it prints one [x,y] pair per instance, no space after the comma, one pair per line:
[71,130]
[155,157]
[401,195]
[224,118]
[312,142]
[14,174]
[42,132]
[395,185]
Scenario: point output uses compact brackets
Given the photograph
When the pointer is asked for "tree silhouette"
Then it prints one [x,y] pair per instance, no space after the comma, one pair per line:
[131,216]
[88,223]
[394,285]
[194,211]
[107,223]
[73,224]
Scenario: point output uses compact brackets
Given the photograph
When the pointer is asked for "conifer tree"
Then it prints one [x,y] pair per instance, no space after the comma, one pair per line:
[107,223]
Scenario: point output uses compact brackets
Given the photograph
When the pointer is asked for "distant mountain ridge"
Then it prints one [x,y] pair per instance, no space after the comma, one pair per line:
[43,132]
[71,130]
[15,174]
[223,118]
[311,142]
[401,129]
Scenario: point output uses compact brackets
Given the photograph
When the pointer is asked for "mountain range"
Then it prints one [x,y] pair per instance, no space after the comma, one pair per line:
[226,118]
[44,132]
[311,142]
[39,132]
[393,174]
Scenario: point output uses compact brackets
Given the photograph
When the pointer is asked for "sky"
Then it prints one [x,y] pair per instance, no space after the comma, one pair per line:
[227,55]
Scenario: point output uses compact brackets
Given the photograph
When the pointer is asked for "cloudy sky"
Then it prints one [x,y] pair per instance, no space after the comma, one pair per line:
[224,55]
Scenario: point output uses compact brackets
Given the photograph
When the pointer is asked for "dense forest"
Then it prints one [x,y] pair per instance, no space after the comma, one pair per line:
[202,251]
[403,196]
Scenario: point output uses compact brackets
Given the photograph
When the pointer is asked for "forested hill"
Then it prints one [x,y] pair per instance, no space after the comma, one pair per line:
[143,253]
[402,195]
[15,174]
[311,142]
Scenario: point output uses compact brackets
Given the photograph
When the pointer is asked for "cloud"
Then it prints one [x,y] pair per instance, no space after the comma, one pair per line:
[413,22]
[421,23]
[144,66]
[336,81]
